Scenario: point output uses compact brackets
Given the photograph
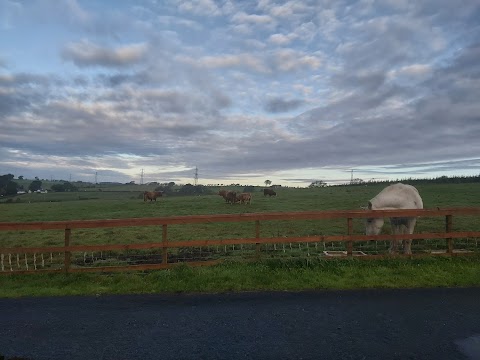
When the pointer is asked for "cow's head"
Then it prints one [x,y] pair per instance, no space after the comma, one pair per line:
[373,226]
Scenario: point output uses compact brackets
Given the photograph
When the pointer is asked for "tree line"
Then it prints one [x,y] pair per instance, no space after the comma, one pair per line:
[438,180]
[9,187]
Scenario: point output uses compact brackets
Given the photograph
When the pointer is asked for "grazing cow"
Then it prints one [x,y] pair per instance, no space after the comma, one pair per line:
[396,196]
[244,198]
[223,193]
[231,197]
[151,195]
[269,192]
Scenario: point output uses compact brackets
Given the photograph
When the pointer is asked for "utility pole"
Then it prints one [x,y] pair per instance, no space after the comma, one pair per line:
[96,175]
[351,178]
[196,176]
[141,178]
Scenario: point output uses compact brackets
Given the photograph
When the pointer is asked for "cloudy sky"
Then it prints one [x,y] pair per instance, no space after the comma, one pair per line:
[291,91]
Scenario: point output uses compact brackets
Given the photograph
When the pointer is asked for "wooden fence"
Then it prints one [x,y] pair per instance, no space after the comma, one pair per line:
[164,244]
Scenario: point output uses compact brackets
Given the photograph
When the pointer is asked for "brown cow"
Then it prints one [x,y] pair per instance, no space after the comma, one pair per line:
[223,193]
[151,195]
[269,192]
[231,197]
[244,198]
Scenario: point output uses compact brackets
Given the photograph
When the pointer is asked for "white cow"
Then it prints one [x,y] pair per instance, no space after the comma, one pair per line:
[396,196]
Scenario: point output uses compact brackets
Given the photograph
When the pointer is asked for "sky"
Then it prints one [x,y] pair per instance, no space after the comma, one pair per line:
[239,91]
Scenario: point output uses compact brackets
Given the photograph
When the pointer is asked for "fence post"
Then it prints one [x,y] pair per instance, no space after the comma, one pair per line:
[257,236]
[448,228]
[349,232]
[165,244]
[67,254]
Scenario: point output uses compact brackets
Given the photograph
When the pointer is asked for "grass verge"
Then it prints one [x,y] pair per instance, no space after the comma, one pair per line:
[266,275]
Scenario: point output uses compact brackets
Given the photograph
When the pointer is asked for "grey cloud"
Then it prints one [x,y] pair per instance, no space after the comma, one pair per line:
[29,79]
[451,165]
[76,16]
[438,126]
[12,103]
[389,41]
[85,53]
[467,63]
[278,105]
[367,81]
[166,111]
[447,11]
[22,92]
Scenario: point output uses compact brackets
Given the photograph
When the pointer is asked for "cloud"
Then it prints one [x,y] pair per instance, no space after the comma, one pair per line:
[390,41]
[22,92]
[414,70]
[249,61]
[242,17]
[85,53]
[174,85]
[199,7]
[280,39]
[278,105]
[291,60]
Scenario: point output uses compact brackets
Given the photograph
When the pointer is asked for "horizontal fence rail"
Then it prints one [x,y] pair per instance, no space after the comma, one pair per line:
[25,259]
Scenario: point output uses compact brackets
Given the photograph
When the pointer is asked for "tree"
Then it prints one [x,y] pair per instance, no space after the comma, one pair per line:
[7,186]
[11,188]
[190,189]
[58,187]
[35,185]
[5,179]
[357,181]
[20,177]
[66,186]
[267,182]
[317,183]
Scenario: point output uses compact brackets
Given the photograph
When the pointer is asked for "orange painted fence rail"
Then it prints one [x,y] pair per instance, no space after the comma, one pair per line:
[164,245]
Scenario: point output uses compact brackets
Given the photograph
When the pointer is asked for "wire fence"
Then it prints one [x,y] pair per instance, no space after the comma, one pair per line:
[55,261]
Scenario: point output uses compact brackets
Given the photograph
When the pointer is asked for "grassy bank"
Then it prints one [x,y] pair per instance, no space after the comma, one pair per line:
[273,275]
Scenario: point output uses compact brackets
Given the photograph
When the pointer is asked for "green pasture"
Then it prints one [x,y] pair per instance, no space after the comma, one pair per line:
[303,270]
[129,204]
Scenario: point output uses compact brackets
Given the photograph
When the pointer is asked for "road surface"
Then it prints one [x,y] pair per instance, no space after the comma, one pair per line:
[368,324]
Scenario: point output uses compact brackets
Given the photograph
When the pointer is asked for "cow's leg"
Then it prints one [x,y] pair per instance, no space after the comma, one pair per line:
[394,243]
[407,248]
[393,247]
[409,230]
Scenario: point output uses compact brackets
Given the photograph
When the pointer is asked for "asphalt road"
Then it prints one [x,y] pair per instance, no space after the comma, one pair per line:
[372,324]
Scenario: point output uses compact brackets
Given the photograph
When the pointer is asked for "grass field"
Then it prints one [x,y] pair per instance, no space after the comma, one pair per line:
[113,204]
